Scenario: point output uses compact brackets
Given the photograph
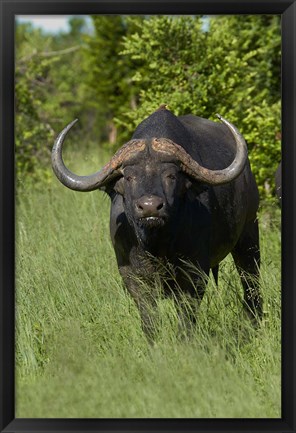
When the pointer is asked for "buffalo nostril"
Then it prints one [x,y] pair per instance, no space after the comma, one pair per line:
[149,206]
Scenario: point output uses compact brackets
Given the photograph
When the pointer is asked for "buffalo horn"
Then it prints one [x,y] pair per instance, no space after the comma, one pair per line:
[200,173]
[96,180]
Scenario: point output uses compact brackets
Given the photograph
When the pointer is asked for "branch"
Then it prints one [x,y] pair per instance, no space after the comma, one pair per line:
[60,52]
[48,53]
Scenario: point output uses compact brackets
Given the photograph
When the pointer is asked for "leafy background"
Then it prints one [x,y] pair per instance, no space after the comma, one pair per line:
[120,71]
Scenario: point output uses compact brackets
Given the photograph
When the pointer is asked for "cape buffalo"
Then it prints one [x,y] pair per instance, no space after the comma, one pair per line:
[182,193]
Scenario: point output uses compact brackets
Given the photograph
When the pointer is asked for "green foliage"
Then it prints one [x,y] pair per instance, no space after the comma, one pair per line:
[109,78]
[31,75]
[233,69]
[48,94]
[113,77]
[163,51]
[253,103]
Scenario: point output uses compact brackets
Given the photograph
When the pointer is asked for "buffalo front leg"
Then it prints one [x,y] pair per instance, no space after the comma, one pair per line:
[188,296]
[246,256]
[145,297]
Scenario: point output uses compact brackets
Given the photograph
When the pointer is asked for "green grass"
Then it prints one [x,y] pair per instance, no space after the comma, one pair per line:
[80,351]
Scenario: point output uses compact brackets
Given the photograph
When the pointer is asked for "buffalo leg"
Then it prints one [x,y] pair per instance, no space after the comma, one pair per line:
[188,296]
[149,316]
[246,256]
[145,299]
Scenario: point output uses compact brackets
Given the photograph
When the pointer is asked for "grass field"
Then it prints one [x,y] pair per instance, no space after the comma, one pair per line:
[80,351]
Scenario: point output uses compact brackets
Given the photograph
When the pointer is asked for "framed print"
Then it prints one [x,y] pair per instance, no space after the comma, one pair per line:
[163,299]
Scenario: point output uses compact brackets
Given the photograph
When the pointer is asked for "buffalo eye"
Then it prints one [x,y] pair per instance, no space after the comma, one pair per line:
[129,175]
[172,176]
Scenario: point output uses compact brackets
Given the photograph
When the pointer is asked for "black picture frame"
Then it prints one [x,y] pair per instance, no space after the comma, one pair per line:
[8,10]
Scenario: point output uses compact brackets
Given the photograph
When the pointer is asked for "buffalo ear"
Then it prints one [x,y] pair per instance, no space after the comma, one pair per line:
[116,186]
[188,183]
[196,188]
[119,186]
[185,185]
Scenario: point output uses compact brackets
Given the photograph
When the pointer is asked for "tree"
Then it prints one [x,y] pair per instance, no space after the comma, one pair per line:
[109,80]
[114,77]
[233,68]
[254,101]
[31,129]
[48,93]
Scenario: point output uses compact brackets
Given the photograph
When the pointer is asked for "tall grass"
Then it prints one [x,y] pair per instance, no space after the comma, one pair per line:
[80,350]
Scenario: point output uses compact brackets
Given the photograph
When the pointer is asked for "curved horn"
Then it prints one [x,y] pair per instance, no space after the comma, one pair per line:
[200,173]
[96,180]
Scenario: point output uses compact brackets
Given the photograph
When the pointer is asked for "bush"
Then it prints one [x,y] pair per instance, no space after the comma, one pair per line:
[233,69]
